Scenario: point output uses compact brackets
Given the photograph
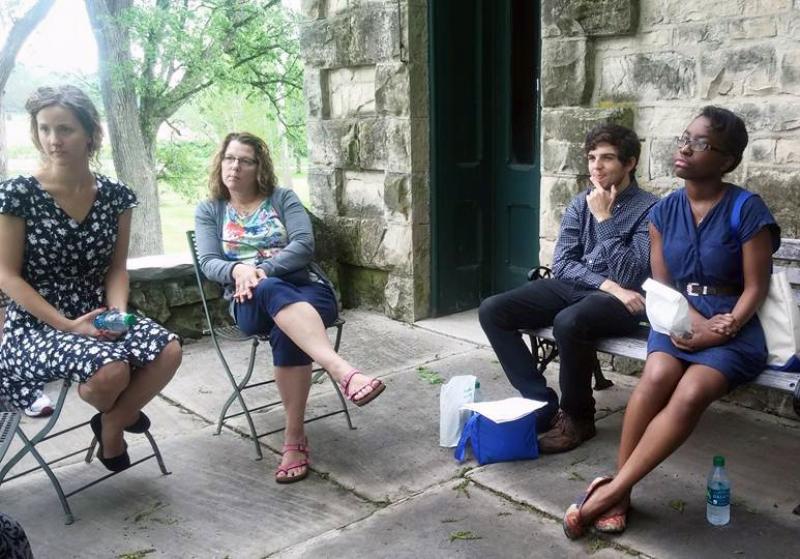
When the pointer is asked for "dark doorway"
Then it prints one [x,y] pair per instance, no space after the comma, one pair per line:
[484,63]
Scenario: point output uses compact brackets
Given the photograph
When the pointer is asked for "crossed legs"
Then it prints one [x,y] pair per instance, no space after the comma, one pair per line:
[121,394]
[661,414]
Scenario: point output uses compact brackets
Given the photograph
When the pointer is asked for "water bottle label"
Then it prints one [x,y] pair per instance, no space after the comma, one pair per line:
[718,497]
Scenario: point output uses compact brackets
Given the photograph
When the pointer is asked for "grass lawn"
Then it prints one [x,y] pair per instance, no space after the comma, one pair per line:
[177,217]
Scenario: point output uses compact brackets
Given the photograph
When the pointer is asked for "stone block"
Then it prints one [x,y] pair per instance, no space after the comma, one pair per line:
[571,125]
[762,7]
[774,117]
[555,194]
[399,145]
[421,198]
[566,72]
[333,7]
[787,151]
[790,71]
[761,151]
[397,195]
[778,187]
[313,88]
[676,12]
[363,287]
[419,93]
[414,14]
[588,17]
[324,186]
[359,240]
[754,28]
[372,143]
[362,194]
[420,144]
[351,91]
[664,121]
[333,143]
[180,293]
[392,89]
[710,35]
[745,71]
[395,252]
[661,153]
[313,9]
[324,43]
[399,298]
[563,158]
[374,33]
[653,76]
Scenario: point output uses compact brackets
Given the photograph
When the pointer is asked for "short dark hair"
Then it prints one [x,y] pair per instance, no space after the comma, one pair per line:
[622,138]
[731,129]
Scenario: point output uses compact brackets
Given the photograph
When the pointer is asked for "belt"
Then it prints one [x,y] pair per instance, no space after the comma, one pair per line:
[695,289]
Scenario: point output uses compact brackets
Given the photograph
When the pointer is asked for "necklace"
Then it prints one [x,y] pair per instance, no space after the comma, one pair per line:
[246,210]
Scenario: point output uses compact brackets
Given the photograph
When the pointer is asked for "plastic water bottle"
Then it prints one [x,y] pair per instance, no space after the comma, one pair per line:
[478,397]
[114,321]
[718,494]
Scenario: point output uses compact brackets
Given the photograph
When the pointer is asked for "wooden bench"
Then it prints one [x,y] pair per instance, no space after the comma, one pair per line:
[787,259]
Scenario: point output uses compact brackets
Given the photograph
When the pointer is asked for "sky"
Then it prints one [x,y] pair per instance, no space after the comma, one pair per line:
[64,42]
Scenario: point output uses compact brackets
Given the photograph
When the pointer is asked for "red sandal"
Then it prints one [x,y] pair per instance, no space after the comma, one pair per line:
[376,385]
[302,463]
[573,524]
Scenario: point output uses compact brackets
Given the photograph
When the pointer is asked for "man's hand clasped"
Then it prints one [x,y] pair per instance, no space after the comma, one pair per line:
[246,277]
[601,201]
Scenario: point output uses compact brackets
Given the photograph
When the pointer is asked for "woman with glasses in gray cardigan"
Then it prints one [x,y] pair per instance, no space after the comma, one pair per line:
[255,239]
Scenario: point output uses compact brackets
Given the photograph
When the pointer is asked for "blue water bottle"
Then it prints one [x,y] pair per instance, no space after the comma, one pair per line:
[718,494]
[114,321]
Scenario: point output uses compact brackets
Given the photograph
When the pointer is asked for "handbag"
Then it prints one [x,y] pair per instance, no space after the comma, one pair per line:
[499,442]
[778,314]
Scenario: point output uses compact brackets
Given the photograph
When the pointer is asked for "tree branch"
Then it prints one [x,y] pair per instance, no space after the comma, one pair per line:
[20,31]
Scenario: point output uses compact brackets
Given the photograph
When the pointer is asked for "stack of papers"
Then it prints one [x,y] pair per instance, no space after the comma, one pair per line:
[502,411]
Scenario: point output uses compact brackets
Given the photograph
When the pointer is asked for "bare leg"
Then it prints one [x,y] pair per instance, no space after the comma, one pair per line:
[661,375]
[696,390]
[302,323]
[293,385]
[140,387]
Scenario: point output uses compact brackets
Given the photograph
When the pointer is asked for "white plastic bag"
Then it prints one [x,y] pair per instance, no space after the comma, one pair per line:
[455,393]
[667,309]
[780,320]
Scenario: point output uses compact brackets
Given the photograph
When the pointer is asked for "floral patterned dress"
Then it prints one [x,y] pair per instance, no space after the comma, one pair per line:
[66,262]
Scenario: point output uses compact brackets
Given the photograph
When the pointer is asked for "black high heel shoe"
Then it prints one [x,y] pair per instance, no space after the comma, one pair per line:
[115,463]
[139,426]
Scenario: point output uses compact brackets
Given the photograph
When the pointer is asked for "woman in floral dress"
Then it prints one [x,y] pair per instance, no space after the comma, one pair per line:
[65,232]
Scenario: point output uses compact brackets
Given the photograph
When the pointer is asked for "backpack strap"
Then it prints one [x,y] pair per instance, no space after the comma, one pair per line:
[736,213]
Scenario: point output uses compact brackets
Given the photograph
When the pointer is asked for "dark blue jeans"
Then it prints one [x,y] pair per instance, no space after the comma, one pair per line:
[579,317]
[271,295]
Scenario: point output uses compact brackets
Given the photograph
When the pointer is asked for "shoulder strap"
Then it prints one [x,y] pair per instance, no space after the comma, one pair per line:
[736,213]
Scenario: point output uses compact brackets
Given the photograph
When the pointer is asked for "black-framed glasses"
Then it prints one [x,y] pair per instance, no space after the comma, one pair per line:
[243,161]
[695,145]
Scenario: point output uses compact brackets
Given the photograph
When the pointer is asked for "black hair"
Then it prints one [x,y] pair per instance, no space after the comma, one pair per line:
[731,130]
[622,138]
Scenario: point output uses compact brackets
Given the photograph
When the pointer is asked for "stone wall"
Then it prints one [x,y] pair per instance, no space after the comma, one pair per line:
[367,93]
[653,64]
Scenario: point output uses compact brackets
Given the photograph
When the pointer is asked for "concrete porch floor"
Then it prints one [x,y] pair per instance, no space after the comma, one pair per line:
[386,489]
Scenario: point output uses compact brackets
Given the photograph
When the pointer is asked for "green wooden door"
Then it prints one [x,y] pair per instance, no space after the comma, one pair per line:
[484,148]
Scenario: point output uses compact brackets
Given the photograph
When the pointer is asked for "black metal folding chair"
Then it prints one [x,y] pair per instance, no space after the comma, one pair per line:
[30,443]
[233,334]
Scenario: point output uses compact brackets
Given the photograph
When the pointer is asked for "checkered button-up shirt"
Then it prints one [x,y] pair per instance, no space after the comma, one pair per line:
[587,252]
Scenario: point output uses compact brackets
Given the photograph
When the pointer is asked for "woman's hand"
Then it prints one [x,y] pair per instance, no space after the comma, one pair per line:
[725,324]
[702,337]
[84,325]
[246,278]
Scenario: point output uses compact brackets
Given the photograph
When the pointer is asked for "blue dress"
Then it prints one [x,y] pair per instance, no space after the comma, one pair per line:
[710,254]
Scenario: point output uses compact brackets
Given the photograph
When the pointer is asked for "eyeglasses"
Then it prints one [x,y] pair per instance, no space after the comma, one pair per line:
[243,161]
[695,145]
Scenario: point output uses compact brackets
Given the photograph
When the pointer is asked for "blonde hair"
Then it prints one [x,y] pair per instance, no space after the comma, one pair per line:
[265,172]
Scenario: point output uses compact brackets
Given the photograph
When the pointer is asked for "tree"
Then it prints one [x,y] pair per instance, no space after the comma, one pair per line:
[181,49]
[20,30]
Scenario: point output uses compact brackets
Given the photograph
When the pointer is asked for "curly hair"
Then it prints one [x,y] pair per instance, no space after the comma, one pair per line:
[623,139]
[74,100]
[265,173]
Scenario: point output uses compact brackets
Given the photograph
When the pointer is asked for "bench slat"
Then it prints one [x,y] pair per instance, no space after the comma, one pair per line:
[636,348]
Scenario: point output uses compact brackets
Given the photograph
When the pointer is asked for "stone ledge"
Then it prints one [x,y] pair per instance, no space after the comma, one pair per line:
[160,267]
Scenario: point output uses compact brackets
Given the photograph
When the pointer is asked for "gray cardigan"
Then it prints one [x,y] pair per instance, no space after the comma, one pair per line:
[298,254]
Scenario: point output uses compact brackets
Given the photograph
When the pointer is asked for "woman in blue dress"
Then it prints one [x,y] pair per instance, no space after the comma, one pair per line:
[724,274]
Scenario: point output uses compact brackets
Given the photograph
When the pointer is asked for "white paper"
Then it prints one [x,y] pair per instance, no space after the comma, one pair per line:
[502,411]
